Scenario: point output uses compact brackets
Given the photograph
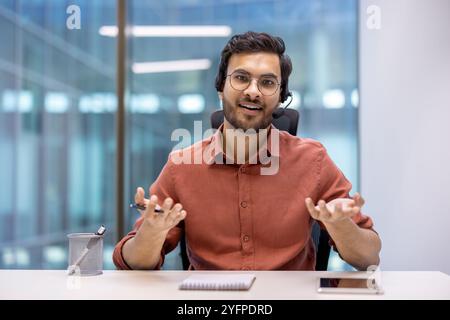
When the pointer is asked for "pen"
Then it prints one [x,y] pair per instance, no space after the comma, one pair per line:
[143,207]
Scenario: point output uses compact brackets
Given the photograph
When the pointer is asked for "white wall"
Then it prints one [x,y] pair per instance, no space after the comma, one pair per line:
[405,131]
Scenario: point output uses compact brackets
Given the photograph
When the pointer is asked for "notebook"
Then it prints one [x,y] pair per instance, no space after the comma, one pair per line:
[242,281]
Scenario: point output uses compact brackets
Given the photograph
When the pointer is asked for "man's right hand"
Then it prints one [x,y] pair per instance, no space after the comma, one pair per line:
[159,222]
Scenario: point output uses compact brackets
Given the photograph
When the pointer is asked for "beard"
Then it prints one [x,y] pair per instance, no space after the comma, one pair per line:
[243,121]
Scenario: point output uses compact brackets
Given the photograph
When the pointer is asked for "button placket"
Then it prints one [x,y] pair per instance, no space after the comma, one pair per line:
[245,217]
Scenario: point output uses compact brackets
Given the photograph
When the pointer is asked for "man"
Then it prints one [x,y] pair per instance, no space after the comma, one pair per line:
[233,216]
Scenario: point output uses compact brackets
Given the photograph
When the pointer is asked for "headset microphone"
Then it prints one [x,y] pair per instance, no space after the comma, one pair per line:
[280,111]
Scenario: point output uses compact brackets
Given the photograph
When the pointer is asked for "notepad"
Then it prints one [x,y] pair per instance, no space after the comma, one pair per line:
[242,281]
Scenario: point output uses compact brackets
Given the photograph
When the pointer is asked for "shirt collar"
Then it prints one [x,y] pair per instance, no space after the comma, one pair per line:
[215,146]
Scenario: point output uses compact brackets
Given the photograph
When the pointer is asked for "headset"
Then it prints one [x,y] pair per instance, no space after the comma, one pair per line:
[280,111]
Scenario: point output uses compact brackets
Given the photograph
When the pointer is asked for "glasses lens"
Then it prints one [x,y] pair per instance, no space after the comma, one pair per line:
[266,85]
[240,81]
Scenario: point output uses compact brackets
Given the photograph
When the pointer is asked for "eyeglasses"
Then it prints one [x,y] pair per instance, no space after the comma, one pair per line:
[267,85]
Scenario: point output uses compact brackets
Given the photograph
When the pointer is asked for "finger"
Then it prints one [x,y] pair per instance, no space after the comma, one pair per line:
[338,209]
[139,196]
[180,217]
[174,217]
[360,201]
[324,213]
[311,208]
[183,214]
[171,216]
[151,204]
[348,204]
[166,206]
[177,207]
[347,213]
[340,212]
[345,208]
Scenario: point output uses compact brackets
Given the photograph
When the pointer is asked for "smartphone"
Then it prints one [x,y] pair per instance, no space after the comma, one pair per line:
[348,285]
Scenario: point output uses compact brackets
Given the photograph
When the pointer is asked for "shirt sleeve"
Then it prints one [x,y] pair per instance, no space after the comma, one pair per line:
[163,187]
[333,184]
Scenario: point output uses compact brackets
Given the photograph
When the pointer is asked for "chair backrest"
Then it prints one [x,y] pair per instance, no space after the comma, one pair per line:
[287,122]
[321,242]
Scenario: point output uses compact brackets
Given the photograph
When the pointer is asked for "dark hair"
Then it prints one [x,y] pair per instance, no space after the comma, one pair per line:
[256,42]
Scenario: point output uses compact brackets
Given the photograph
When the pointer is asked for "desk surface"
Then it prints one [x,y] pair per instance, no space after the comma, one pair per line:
[163,285]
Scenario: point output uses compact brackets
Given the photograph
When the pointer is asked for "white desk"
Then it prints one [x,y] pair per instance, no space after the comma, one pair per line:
[163,285]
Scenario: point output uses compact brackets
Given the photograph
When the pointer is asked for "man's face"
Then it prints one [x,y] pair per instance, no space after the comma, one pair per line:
[239,106]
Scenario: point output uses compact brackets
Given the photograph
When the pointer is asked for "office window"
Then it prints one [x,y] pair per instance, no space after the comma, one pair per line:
[57,138]
[58,104]
[321,39]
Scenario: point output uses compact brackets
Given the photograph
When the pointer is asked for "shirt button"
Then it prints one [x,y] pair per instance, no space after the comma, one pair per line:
[244,204]
[246,238]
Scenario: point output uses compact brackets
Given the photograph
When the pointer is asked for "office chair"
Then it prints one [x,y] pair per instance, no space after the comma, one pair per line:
[288,121]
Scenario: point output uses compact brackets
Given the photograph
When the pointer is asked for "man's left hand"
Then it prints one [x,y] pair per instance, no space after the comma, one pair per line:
[336,210]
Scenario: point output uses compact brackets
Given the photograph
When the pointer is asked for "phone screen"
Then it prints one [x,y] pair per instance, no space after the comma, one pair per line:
[347,283]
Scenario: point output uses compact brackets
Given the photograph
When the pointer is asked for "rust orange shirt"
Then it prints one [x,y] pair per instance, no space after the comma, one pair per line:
[239,219]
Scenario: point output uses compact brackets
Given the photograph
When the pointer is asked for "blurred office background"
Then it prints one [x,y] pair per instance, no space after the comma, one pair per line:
[58,104]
